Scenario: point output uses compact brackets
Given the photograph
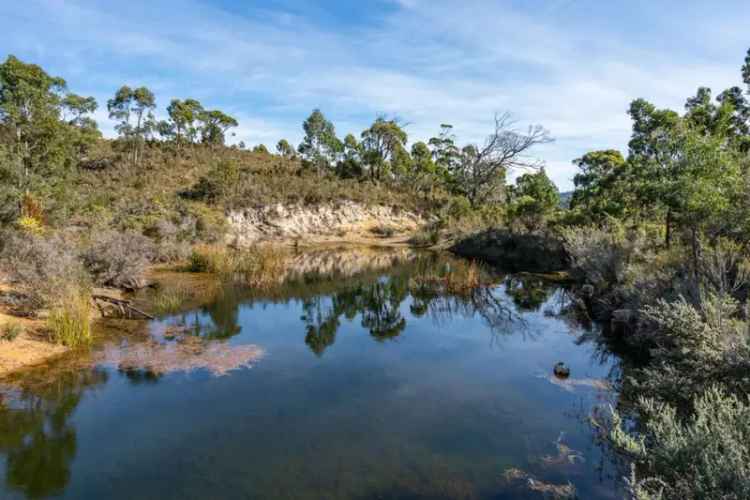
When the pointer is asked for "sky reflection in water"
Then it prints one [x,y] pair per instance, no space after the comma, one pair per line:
[371,386]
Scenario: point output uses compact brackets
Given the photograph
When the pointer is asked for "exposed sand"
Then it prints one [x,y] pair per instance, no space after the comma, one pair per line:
[27,349]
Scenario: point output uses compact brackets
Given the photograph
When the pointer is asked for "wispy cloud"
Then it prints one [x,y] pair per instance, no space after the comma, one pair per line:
[571,65]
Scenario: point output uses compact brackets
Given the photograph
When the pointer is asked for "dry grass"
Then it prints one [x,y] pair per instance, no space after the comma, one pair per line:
[258,267]
[70,320]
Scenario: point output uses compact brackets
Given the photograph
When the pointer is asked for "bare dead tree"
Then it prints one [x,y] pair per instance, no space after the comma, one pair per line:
[480,173]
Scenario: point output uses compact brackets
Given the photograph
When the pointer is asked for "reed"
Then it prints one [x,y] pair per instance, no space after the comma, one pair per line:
[70,320]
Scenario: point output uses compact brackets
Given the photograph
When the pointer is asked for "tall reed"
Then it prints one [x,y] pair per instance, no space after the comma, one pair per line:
[70,319]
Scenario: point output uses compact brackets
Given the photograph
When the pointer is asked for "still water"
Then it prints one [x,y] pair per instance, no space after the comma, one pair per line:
[373,383]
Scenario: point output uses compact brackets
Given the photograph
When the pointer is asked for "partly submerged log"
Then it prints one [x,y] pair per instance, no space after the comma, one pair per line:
[124,308]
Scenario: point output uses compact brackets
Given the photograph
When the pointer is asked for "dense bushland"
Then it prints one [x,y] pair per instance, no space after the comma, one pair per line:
[659,242]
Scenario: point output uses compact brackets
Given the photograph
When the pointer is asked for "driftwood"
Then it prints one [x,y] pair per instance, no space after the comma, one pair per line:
[125,307]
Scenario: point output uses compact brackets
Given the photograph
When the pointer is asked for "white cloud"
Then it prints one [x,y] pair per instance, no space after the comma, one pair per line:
[571,66]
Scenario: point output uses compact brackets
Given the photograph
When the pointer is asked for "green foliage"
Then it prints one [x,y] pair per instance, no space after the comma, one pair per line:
[214,126]
[261,149]
[285,149]
[706,455]
[601,187]
[183,116]
[137,105]
[39,143]
[383,148]
[533,199]
[320,146]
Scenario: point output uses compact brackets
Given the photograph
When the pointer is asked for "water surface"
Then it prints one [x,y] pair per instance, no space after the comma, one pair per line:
[372,385]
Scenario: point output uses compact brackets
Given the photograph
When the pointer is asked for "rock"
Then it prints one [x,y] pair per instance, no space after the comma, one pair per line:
[561,370]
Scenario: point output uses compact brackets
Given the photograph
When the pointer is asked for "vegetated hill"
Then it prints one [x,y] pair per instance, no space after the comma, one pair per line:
[196,185]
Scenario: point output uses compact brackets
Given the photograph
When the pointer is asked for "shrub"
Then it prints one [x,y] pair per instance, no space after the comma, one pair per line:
[70,319]
[706,455]
[41,267]
[11,330]
[694,347]
[115,259]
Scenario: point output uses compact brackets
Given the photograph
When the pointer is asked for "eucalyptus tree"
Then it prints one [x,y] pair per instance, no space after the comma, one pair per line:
[479,172]
[183,116]
[285,149]
[133,104]
[382,144]
[350,165]
[445,153]
[30,105]
[214,126]
[84,129]
[320,147]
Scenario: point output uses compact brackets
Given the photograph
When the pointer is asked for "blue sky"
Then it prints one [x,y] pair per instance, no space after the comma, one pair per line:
[570,65]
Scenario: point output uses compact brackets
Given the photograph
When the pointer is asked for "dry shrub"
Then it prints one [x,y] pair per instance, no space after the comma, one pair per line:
[115,259]
[42,268]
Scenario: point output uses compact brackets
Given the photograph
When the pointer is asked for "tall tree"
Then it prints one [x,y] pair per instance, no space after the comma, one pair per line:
[383,142]
[445,153]
[137,104]
[479,174]
[350,165]
[601,186]
[85,130]
[533,198]
[285,149]
[215,125]
[320,146]
[30,101]
[183,115]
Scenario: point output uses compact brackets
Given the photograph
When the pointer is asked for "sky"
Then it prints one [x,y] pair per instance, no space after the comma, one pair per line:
[572,66]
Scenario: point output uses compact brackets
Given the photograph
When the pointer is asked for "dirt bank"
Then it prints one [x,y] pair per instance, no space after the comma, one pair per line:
[347,222]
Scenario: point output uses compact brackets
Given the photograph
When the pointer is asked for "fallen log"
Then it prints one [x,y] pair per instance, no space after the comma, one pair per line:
[125,307]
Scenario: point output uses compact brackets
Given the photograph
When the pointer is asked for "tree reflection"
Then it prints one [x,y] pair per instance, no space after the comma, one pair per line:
[528,293]
[37,437]
[379,305]
[381,312]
